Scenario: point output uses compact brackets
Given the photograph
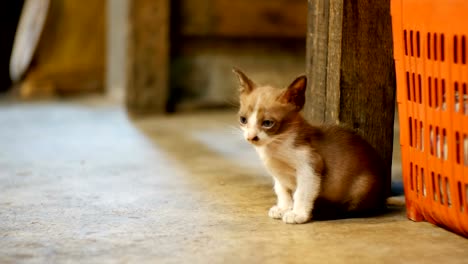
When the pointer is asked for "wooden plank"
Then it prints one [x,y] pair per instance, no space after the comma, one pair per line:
[316,62]
[367,80]
[359,86]
[334,60]
[147,56]
[242,18]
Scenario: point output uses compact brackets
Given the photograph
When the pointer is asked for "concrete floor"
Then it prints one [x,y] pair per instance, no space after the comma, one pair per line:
[81,183]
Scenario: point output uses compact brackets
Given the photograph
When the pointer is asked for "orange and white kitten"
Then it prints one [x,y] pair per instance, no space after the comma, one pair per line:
[325,171]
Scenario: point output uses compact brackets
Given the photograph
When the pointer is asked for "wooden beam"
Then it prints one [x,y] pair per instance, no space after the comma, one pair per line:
[351,69]
[147,56]
[242,18]
[317,55]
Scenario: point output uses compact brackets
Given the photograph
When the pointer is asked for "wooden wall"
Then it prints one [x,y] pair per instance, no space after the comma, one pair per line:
[240,18]
[207,38]
[70,56]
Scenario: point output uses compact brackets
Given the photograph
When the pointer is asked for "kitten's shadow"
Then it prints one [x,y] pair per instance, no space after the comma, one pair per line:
[325,210]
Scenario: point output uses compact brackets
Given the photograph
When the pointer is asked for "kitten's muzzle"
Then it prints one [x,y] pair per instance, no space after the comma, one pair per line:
[253,139]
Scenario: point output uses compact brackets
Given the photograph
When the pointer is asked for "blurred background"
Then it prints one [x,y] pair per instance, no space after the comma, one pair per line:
[153,56]
[82,180]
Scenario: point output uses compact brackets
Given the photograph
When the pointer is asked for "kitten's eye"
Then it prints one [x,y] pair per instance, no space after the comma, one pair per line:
[268,123]
[243,120]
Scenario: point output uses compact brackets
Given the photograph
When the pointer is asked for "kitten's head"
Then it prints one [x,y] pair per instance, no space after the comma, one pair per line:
[265,112]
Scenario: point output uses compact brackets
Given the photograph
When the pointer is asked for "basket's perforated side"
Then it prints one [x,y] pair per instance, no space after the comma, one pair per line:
[459,49]
[430,53]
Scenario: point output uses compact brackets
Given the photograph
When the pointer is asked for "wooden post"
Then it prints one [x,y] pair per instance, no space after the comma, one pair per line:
[147,56]
[351,70]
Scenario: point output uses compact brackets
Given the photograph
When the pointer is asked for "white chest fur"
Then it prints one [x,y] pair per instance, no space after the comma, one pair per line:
[282,161]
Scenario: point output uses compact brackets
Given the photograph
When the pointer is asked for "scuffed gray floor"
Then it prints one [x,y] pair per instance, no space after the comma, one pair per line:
[82,183]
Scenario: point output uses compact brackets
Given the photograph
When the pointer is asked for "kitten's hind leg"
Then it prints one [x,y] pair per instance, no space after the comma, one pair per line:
[284,203]
[366,194]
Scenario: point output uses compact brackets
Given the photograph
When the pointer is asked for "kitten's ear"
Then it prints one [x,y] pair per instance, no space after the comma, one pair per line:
[295,93]
[246,85]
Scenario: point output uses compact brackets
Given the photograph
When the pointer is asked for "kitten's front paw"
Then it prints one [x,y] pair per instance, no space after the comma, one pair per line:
[276,212]
[292,217]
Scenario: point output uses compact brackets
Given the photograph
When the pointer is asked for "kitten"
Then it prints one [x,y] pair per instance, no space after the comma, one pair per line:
[325,171]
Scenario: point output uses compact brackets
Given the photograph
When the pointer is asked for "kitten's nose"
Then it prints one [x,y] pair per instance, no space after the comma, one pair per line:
[253,139]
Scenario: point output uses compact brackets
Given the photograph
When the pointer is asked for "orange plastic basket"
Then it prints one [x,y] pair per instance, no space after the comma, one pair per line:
[431,60]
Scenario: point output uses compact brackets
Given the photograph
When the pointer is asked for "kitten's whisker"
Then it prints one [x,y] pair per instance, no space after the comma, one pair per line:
[231,102]
[234,127]
[236,131]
